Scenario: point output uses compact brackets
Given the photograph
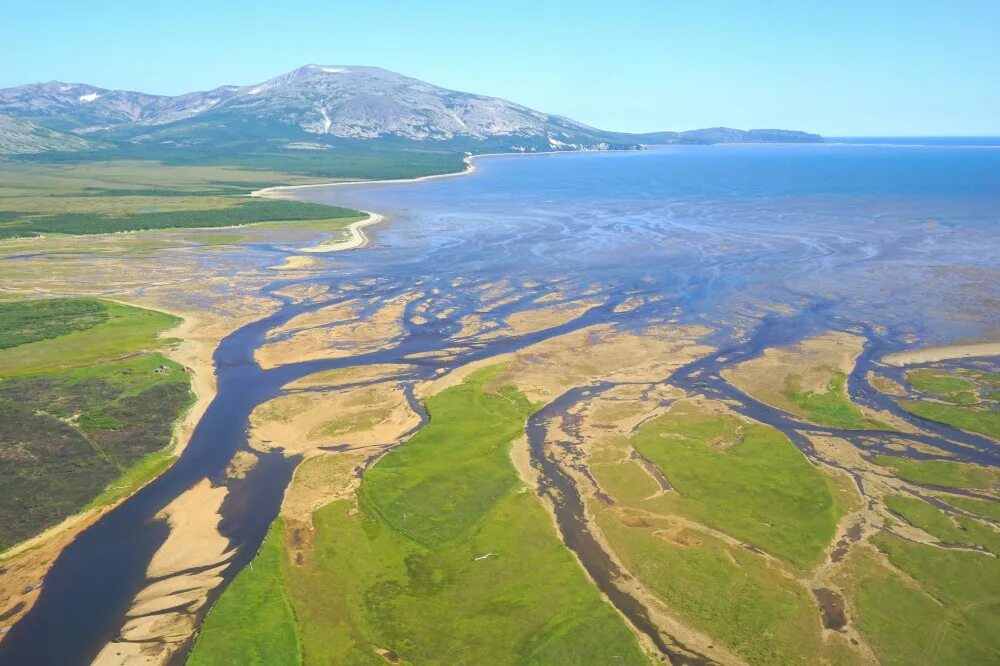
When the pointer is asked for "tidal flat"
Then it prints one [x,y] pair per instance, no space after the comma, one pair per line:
[656,376]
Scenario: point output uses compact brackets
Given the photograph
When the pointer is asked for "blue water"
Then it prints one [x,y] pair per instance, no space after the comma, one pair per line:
[901,236]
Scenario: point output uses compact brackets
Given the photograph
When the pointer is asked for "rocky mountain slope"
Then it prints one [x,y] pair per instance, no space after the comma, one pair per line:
[316,107]
[18,136]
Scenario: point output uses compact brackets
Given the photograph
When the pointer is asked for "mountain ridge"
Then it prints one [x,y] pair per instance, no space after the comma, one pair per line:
[321,105]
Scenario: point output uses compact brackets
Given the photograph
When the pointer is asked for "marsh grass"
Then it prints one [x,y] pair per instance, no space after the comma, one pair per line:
[253,622]
[743,478]
[945,473]
[983,420]
[832,407]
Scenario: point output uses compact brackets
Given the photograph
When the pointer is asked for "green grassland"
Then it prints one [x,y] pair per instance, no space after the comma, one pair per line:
[746,479]
[87,416]
[907,621]
[114,191]
[252,623]
[126,330]
[983,420]
[30,321]
[729,593]
[833,407]
[959,397]
[945,473]
[447,558]
[980,507]
[954,530]
[741,478]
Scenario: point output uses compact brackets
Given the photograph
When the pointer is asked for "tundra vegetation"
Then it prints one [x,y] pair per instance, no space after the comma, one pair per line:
[87,408]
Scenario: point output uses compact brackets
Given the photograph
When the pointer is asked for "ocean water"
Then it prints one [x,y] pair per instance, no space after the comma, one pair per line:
[899,236]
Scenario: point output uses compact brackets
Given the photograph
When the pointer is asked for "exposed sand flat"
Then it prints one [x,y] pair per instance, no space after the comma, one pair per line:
[320,480]
[346,338]
[161,618]
[295,262]
[362,416]
[545,370]
[945,353]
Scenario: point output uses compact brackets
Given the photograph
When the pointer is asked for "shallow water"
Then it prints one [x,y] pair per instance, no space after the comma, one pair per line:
[763,244]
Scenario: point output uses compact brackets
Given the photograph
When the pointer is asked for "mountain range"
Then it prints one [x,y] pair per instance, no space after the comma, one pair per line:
[315,107]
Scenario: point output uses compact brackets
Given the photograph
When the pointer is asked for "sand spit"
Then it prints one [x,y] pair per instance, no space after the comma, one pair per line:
[356,237]
[288,191]
[946,353]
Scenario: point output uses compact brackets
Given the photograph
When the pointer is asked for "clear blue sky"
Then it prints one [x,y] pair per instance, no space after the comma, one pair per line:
[839,68]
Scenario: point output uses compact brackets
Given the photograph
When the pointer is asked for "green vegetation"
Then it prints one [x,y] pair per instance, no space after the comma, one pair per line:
[980,507]
[832,408]
[251,211]
[956,530]
[447,558]
[113,191]
[906,624]
[945,473]
[126,330]
[961,627]
[956,397]
[730,593]
[22,322]
[86,415]
[928,380]
[746,479]
[252,623]
[733,476]
[983,420]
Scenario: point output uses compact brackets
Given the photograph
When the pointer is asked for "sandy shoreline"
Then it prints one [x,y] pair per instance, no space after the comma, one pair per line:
[280,191]
[356,237]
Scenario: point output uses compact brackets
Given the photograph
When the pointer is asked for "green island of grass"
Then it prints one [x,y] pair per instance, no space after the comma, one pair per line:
[954,530]
[833,407]
[86,414]
[980,507]
[983,420]
[446,558]
[748,481]
[945,473]
[908,621]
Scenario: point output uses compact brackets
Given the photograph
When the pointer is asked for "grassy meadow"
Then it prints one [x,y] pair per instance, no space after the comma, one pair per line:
[945,473]
[728,477]
[445,558]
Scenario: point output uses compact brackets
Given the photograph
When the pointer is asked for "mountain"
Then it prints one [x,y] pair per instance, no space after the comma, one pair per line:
[19,136]
[729,135]
[318,107]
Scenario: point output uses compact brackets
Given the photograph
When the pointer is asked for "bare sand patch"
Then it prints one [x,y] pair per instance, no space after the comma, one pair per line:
[352,415]
[944,353]
[186,567]
[347,337]
[296,262]
[319,480]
